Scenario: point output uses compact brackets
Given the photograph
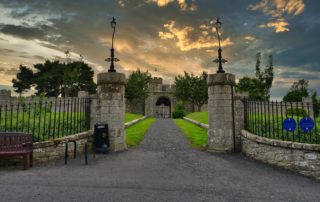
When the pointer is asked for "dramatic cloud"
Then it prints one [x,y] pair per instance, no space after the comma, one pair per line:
[250,38]
[280,25]
[188,38]
[184,6]
[278,10]
[164,37]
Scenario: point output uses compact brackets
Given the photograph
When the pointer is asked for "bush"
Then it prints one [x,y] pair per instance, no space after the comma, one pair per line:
[297,112]
[178,112]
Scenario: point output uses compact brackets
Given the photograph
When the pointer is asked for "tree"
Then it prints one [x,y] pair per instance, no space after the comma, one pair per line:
[253,86]
[259,86]
[53,78]
[192,88]
[78,76]
[24,79]
[136,89]
[297,91]
[49,78]
[316,104]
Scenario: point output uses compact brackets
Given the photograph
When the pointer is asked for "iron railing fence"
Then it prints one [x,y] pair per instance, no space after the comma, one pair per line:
[47,119]
[266,119]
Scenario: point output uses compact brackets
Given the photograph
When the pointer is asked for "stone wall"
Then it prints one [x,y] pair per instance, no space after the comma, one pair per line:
[135,108]
[299,157]
[239,99]
[48,151]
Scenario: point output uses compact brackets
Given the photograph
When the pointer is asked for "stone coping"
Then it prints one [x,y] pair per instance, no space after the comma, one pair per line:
[111,78]
[202,125]
[221,79]
[130,123]
[280,143]
[49,143]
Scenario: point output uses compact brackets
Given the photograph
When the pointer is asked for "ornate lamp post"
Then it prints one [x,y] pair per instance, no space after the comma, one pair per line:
[112,59]
[219,60]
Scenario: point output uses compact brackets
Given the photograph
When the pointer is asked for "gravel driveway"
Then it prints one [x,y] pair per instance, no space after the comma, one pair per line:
[163,168]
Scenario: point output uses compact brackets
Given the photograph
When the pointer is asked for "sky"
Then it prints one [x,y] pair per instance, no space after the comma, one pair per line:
[165,37]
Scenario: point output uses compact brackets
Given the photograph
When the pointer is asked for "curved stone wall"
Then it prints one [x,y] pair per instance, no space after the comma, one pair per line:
[299,157]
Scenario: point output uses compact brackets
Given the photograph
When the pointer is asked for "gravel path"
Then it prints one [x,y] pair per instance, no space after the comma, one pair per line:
[163,168]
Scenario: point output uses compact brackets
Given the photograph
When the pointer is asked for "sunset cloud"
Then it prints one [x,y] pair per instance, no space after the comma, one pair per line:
[280,25]
[184,6]
[277,10]
[146,39]
[250,38]
[188,38]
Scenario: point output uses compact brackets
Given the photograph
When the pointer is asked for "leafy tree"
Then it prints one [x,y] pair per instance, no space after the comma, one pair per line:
[24,79]
[53,78]
[49,78]
[297,91]
[316,104]
[78,76]
[253,86]
[259,86]
[136,89]
[192,88]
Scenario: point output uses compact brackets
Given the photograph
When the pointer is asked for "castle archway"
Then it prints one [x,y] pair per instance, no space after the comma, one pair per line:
[163,108]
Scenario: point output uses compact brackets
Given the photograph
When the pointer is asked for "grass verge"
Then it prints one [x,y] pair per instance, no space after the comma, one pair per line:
[201,117]
[135,133]
[130,117]
[197,136]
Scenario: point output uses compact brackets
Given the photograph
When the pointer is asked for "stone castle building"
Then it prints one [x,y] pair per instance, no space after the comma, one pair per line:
[160,102]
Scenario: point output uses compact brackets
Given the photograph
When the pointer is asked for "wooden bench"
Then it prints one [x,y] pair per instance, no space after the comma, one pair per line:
[17,144]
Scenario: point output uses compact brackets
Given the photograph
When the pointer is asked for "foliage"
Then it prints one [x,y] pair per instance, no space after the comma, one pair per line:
[297,112]
[136,89]
[135,133]
[297,91]
[201,117]
[178,112]
[23,79]
[54,78]
[45,125]
[192,88]
[271,126]
[259,86]
[316,104]
[197,136]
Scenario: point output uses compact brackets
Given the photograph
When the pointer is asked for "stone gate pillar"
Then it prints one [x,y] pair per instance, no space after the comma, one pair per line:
[111,107]
[221,128]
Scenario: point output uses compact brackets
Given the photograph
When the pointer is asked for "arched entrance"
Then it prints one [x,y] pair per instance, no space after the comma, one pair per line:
[163,108]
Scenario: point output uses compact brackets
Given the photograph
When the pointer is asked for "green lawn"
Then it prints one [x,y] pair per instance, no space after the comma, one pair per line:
[270,126]
[44,125]
[130,117]
[135,133]
[197,136]
[201,117]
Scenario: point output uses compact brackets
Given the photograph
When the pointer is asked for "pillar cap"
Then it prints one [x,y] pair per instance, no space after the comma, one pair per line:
[111,78]
[221,79]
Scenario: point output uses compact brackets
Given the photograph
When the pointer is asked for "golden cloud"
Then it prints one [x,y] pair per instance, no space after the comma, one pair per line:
[277,10]
[184,6]
[250,38]
[280,25]
[189,38]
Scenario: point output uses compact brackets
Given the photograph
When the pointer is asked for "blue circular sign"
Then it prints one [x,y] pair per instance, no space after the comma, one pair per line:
[306,124]
[289,124]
